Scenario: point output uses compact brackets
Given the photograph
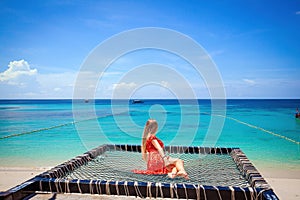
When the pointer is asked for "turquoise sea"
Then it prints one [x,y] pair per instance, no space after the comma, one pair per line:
[42,133]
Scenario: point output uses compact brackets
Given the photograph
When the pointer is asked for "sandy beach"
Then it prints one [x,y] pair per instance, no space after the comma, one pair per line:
[285,183]
[11,177]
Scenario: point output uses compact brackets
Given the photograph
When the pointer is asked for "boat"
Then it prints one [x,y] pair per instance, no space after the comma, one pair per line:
[135,101]
[297,113]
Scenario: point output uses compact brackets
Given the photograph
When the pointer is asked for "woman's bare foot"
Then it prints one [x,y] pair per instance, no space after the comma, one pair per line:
[183,174]
[172,175]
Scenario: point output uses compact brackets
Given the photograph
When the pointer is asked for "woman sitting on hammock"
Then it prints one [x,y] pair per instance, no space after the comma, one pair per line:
[153,153]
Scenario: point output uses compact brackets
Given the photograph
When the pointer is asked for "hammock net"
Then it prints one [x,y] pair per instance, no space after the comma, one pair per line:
[214,173]
[209,169]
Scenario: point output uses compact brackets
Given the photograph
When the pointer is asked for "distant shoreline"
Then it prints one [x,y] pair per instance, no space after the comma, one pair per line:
[105,99]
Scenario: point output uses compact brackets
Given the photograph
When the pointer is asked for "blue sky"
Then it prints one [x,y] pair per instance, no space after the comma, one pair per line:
[254,44]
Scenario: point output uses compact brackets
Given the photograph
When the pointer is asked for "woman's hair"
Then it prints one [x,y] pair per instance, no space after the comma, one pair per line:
[150,128]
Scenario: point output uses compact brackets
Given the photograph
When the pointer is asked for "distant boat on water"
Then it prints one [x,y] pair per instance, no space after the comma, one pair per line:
[297,114]
[135,101]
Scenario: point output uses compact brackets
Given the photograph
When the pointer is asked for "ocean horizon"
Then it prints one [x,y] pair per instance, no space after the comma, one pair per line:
[46,132]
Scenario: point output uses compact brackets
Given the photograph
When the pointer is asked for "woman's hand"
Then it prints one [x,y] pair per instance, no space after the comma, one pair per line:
[166,160]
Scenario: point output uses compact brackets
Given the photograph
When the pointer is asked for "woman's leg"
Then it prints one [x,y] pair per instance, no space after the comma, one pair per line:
[180,169]
[179,165]
[173,173]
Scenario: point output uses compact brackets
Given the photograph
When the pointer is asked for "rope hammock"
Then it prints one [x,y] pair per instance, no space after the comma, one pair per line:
[215,173]
[202,169]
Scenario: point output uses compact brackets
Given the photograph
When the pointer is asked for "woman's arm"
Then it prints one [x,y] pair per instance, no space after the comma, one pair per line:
[161,152]
[159,148]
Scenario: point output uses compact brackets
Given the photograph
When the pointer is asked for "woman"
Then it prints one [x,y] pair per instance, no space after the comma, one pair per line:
[153,153]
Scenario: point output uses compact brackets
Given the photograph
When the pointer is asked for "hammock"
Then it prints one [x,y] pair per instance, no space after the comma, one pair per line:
[215,173]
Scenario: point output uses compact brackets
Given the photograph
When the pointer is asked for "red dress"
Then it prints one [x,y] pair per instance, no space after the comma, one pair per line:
[155,163]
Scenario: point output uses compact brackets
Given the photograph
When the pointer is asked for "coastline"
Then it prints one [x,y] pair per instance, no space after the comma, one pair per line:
[285,183]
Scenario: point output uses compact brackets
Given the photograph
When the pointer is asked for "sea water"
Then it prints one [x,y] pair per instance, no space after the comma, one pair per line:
[41,133]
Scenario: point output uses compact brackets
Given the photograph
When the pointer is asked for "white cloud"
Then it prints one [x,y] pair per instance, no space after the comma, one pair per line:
[57,89]
[123,90]
[216,53]
[264,88]
[298,13]
[21,81]
[249,81]
[56,85]
[123,85]
[165,84]
[18,81]
[16,70]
